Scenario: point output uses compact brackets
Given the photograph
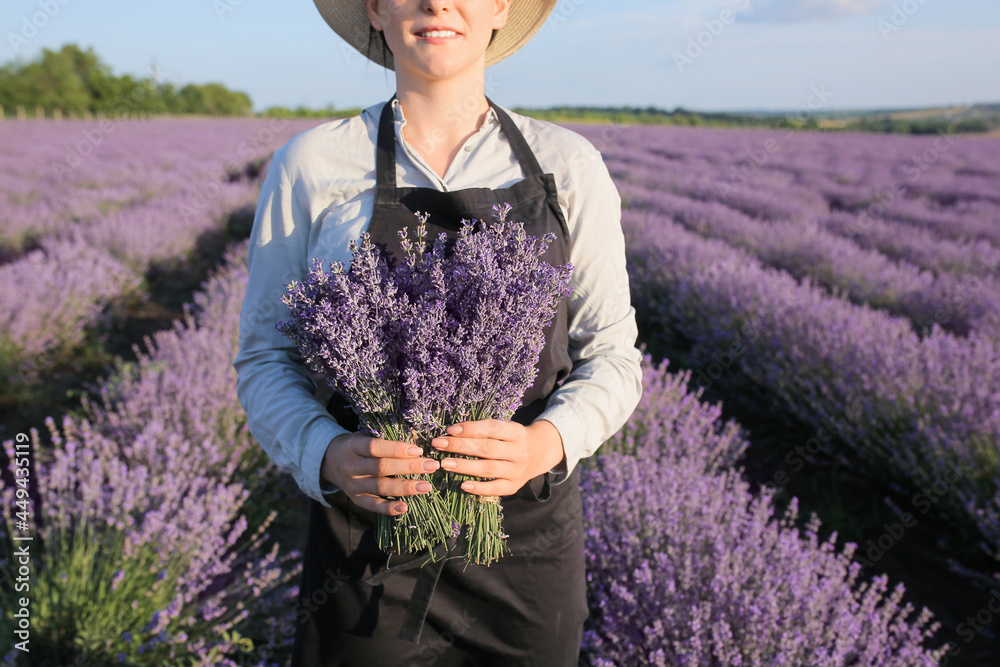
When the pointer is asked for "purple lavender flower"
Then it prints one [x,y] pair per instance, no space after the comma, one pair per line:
[446,335]
[158,477]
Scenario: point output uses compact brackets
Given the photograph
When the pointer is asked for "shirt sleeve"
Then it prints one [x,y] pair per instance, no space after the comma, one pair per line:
[274,387]
[605,384]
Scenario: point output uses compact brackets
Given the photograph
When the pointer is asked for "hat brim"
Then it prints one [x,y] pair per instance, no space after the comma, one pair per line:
[349,19]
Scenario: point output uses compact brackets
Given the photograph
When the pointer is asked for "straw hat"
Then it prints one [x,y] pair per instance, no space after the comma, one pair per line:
[349,19]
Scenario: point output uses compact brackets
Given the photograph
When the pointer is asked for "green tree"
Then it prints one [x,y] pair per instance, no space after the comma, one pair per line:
[214,99]
[75,80]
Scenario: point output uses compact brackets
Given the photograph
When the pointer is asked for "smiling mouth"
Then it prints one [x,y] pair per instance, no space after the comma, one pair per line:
[433,34]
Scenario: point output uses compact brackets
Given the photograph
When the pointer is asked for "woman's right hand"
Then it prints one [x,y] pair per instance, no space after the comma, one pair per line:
[362,467]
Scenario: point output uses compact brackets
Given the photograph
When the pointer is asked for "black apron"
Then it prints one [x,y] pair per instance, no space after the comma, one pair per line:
[528,608]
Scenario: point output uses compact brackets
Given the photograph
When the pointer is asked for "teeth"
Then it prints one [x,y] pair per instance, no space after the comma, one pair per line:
[439,33]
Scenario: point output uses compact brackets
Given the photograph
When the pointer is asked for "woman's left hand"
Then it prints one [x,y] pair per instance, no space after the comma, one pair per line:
[509,453]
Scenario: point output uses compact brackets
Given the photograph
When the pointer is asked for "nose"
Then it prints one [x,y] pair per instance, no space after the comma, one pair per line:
[436,6]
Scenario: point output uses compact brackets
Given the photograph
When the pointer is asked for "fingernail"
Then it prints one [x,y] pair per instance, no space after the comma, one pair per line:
[414,451]
[430,465]
[455,429]
[423,487]
[399,507]
[440,442]
[449,464]
[468,486]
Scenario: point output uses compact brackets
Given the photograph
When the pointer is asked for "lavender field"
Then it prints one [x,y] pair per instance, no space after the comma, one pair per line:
[839,293]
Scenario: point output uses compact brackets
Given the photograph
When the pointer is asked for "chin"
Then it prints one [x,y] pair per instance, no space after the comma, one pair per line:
[439,70]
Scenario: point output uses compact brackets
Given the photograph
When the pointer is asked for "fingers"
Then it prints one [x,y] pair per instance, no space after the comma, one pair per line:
[391,486]
[496,429]
[376,463]
[367,493]
[487,439]
[386,467]
[372,465]
[488,468]
[479,447]
[379,448]
[382,458]
[499,447]
[496,487]
[379,505]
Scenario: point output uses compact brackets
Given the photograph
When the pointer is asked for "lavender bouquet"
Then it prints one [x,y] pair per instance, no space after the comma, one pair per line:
[449,334]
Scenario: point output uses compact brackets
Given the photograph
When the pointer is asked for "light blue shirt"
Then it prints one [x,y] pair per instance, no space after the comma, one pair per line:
[318,195]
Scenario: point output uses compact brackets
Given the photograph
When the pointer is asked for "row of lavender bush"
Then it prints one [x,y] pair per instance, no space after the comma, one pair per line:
[62,287]
[788,212]
[60,175]
[708,578]
[916,246]
[42,193]
[142,508]
[941,184]
[913,409]
[687,568]
[701,565]
[805,249]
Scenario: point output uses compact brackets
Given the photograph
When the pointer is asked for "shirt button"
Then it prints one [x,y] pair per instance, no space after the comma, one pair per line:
[468,149]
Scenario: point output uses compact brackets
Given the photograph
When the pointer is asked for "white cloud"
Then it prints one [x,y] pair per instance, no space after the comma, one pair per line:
[792,11]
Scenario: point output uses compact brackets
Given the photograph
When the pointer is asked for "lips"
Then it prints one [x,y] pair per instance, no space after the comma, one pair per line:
[436,32]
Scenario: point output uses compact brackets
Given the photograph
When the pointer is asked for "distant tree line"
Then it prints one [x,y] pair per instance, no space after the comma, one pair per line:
[924,125]
[655,116]
[76,81]
[302,112]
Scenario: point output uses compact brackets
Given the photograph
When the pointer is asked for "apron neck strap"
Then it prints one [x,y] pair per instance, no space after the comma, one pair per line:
[385,156]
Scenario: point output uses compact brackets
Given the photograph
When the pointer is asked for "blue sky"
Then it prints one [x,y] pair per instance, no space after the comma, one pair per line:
[700,54]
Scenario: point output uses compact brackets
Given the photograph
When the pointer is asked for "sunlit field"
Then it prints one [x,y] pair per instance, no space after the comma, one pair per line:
[812,476]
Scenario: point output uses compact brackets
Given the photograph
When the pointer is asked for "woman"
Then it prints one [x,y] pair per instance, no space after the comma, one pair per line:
[441,146]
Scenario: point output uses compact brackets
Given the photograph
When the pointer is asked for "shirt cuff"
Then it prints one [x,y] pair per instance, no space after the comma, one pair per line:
[312,482]
[327,489]
[570,428]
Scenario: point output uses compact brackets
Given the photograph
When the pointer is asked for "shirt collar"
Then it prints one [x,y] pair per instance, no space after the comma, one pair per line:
[397,110]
